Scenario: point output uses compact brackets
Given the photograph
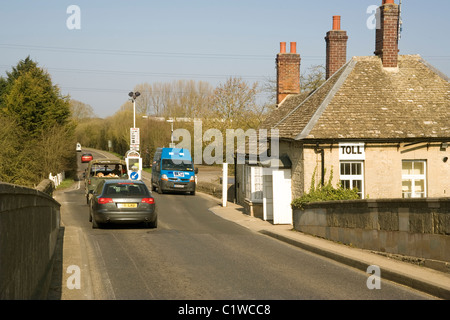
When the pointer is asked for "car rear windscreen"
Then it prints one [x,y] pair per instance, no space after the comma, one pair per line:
[126,189]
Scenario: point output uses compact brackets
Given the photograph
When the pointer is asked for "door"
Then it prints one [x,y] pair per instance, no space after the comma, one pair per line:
[281,186]
[267,197]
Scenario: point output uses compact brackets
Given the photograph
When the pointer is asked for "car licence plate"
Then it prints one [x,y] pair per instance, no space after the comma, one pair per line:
[178,186]
[127,205]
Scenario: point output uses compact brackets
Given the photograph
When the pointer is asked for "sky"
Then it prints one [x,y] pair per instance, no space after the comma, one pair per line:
[100,51]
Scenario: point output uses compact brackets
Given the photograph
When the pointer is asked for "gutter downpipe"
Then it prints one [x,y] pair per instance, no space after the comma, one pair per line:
[322,161]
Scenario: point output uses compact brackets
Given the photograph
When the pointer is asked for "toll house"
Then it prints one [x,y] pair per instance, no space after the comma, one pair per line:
[378,123]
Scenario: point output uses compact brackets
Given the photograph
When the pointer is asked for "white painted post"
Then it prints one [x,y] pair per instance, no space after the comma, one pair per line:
[224,184]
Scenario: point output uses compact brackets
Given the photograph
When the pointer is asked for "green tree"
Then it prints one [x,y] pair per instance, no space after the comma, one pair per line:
[32,100]
[14,167]
[36,132]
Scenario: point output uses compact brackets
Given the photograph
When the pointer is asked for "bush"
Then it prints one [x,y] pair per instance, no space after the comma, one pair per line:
[324,192]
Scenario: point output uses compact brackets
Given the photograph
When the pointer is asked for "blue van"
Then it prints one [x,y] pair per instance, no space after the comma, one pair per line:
[173,170]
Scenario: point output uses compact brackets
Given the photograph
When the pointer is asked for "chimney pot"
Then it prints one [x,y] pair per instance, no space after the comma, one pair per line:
[282,47]
[336,22]
[293,47]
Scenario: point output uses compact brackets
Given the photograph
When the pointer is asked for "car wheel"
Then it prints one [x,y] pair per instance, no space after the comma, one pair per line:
[153,224]
[94,224]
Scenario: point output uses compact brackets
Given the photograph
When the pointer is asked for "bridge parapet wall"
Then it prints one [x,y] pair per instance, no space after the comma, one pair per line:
[413,227]
[29,227]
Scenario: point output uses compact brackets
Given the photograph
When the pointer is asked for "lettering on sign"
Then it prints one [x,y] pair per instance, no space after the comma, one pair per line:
[352,151]
[134,136]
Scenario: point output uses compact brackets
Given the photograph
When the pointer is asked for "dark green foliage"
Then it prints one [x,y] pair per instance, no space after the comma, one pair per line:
[324,192]
[31,99]
[36,134]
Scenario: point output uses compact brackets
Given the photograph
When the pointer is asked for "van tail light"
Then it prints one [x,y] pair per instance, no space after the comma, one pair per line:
[148,200]
[104,200]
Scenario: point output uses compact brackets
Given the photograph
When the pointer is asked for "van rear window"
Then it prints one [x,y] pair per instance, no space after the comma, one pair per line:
[180,165]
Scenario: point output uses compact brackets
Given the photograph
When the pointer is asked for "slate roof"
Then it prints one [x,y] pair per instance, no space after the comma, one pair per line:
[363,100]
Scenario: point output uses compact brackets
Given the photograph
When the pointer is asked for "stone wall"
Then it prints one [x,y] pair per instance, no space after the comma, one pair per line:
[413,227]
[29,226]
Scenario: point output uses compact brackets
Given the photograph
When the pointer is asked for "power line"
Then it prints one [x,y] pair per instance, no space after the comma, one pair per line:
[159,74]
[146,53]
[125,92]
[134,52]
[165,54]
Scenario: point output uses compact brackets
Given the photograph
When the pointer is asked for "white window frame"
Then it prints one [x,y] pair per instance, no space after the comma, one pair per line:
[414,178]
[254,183]
[353,177]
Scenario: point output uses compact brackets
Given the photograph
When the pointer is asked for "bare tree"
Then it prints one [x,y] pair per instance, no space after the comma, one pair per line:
[234,103]
[181,98]
[313,78]
[144,102]
[310,80]
[80,110]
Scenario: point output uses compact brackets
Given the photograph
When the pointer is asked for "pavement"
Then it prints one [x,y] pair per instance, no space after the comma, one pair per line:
[428,280]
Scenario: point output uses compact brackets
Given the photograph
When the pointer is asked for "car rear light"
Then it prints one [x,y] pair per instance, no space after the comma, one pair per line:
[148,200]
[104,200]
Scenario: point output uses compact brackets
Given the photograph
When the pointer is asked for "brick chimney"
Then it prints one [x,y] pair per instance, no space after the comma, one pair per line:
[288,71]
[386,37]
[336,40]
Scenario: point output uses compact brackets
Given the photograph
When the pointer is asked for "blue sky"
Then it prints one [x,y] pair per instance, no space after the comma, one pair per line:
[121,44]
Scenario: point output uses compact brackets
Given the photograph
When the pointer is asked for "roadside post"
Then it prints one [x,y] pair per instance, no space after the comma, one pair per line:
[134,165]
[224,184]
[132,157]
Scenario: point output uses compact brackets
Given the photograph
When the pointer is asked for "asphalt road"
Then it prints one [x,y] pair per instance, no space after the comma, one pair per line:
[196,255]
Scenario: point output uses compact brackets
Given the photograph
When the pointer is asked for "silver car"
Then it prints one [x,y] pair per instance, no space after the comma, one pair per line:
[122,201]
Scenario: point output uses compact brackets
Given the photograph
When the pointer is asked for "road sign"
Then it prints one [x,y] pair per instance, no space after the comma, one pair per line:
[134,136]
[134,176]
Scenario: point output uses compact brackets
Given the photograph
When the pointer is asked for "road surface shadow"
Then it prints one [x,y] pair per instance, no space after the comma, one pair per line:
[55,289]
